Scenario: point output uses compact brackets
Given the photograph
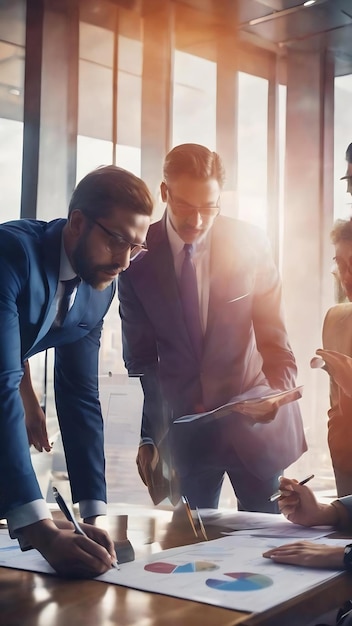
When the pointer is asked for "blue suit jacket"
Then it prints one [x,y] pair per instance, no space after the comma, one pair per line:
[29,269]
[245,346]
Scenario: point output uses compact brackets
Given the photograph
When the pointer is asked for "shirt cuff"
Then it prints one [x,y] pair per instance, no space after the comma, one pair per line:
[145,441]
[92,508]
[24,516]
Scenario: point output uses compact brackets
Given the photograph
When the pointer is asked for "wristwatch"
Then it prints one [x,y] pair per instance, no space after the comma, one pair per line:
[347,558]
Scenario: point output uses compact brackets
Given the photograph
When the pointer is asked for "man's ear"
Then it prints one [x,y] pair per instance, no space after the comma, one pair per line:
[163,191]
[76,223]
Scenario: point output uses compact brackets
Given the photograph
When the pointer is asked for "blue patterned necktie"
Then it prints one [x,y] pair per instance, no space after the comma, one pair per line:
[64,304]
[190,301]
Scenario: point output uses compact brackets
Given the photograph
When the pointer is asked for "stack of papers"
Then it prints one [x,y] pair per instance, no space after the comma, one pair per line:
[267,399]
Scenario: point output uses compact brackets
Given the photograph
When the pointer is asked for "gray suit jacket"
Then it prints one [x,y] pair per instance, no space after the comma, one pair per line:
[245,346]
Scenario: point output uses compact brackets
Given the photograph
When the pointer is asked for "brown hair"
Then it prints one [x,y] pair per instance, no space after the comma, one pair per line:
[109,187]
[193,160]
[342,231]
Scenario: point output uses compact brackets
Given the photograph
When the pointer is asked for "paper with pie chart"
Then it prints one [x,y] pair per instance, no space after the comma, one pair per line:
[183,568]
[229,572]
[240,581]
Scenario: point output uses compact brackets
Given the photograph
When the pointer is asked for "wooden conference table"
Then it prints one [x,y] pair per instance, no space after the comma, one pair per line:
[29,599]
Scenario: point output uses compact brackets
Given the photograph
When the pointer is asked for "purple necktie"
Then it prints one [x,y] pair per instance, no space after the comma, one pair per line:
[190,301]
[64,304]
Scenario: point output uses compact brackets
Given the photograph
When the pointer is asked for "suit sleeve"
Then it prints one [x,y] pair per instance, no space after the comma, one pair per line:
[141,358]
[18,484]
[279,364]
[79,411]
[347,503]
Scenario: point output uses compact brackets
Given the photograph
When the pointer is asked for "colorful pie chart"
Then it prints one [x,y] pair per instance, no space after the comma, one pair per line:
[241,581]
[185,568]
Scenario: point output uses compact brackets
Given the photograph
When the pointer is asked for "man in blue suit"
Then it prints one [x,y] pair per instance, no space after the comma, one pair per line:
[237,345]
[108,218]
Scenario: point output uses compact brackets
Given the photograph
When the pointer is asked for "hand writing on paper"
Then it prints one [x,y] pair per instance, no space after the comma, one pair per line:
[72,555]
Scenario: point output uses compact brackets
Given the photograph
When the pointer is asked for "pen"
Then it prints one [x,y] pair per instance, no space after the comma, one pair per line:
[278,494]
[70,517]
[202,528]
[189,514]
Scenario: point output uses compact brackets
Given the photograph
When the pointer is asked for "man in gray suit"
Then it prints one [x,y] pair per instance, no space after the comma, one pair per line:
[195,355]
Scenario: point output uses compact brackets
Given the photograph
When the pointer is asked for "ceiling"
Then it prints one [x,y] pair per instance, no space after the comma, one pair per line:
[279,24]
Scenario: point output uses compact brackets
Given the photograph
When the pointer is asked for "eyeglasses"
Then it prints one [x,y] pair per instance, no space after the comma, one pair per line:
[117,241]
[183,209]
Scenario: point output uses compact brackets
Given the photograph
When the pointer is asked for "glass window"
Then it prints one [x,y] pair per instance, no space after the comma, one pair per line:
[342,138]
[252,148]
[129,104]
[11,140]
[194,100]
[11,111]
[92,153]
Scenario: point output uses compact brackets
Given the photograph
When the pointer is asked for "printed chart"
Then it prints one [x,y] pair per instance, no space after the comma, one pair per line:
[185,568]
[229,572]
[241,581]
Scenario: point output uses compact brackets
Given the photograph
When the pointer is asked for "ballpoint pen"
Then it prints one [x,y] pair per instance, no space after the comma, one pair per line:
[278,494]
[189,514]
[201,525]
[70,517]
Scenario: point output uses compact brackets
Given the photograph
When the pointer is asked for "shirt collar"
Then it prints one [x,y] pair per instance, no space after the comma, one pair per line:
[176,243]
[66,271]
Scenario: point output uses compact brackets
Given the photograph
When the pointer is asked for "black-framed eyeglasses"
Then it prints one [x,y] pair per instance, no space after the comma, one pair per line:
[118,241]
[182,209]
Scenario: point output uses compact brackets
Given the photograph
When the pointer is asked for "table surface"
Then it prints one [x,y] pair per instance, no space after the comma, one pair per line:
[29,599]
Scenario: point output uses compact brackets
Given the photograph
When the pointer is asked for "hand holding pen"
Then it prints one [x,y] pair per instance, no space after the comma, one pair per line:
[92,533]
[278,494]
[299,504]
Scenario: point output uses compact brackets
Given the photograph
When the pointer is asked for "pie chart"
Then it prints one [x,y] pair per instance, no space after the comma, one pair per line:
[240,581]
[185,568]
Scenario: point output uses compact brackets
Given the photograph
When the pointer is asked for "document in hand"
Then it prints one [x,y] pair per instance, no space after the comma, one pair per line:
[267,400]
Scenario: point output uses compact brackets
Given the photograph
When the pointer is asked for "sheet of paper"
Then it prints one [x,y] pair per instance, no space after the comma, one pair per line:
[260,524]
[229,572]
[258,396]
[286,531]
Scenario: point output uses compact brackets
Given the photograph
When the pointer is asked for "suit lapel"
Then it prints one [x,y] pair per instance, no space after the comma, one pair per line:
[162,264]
[51,248]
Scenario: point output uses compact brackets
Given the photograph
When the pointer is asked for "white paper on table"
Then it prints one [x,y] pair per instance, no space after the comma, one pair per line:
[212,572]
[260,524]
[291,531]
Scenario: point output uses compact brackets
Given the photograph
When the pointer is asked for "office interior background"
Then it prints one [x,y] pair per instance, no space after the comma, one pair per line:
[266,83]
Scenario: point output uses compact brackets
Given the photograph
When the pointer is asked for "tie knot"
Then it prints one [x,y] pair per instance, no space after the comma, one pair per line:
[70,285]
[189,249]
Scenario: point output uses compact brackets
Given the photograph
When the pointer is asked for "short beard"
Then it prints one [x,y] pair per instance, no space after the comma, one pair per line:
[84,269]
[81,263]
